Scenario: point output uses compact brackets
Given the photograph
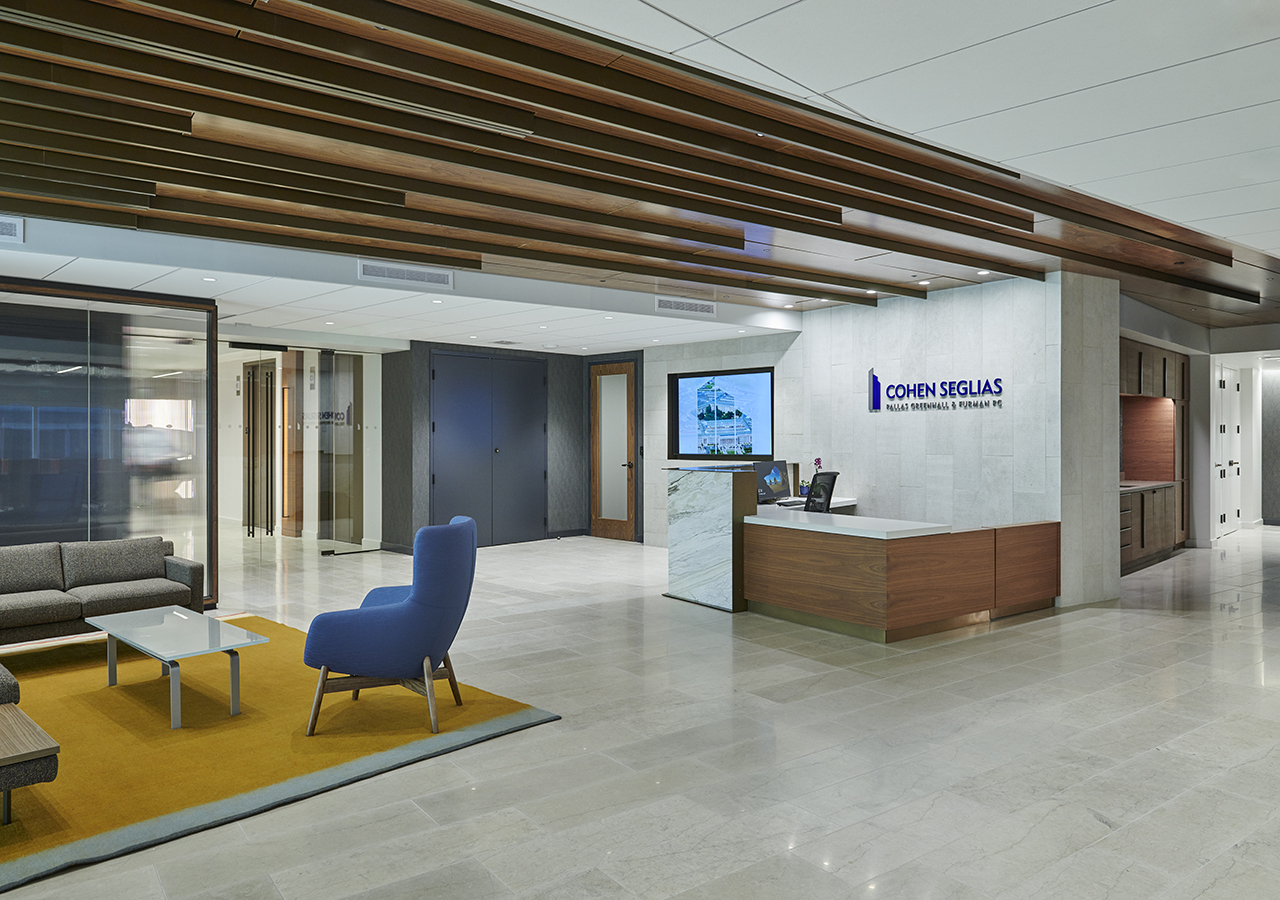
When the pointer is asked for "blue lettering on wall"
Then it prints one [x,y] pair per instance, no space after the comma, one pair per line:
[923,390]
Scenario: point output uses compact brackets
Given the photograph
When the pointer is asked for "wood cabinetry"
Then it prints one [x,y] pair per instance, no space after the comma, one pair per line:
[1149,520]
[1147,371]
[1153,429]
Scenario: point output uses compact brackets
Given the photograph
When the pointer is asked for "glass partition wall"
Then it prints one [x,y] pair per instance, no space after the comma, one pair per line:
[104,423]
[299,455]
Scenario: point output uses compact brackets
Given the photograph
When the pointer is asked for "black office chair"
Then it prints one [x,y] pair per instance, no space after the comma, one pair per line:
[821,492]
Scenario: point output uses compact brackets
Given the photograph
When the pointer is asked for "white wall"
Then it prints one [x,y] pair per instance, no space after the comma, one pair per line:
[968,468]
[782,351]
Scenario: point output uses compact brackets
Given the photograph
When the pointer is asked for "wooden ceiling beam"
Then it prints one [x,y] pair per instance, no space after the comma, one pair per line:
[237,170]
[298,203]
[375,235]
[302,36]
[232,95]
[501,51]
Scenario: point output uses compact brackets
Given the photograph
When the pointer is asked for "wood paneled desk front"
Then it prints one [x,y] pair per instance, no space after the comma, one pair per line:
[888,580]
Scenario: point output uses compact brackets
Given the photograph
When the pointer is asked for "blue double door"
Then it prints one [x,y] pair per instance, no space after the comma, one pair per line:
[489,445]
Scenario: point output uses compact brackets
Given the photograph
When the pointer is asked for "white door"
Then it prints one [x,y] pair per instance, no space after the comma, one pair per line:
[1226,450]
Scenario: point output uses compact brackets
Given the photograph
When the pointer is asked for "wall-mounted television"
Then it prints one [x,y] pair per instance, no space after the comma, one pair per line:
[720,415]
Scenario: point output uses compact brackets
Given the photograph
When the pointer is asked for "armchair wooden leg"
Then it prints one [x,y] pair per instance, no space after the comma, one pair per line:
[428,677]
[453,682]
[355,695]
[315,707]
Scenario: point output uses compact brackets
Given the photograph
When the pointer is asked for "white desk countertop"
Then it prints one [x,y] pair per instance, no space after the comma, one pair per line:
[853,526]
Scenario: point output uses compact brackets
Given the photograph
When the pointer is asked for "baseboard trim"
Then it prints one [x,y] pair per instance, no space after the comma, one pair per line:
[571,532]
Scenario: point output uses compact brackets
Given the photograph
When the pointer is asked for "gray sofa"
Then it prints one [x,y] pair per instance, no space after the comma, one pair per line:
[47,590]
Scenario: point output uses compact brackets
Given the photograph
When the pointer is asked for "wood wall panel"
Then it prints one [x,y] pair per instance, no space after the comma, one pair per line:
[1028,563]
[940,576]
[829,575]
[1149,447]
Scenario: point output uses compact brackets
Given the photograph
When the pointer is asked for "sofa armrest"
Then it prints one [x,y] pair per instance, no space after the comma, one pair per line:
[190,573]
[8,686]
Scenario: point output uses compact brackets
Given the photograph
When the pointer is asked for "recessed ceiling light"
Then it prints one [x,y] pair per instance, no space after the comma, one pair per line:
[923,282]
[328,323]
[742,331]
[655,340]
[870,292]
[473,337]
[584,348]
[209,279]
[789,306]
[542,326]
[823,300]
[550,346]
[983,272]
[437,301]
[608,317]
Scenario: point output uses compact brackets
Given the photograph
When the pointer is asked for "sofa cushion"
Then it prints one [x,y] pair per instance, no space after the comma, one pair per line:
[30,567]
[37,608]
[107,562]
[123,596]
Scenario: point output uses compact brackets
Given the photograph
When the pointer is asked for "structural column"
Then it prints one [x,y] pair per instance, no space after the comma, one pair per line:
[1090,438]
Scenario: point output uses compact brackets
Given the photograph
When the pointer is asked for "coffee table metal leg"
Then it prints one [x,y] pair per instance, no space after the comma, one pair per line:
[235,681]
[111,659]
[175,696]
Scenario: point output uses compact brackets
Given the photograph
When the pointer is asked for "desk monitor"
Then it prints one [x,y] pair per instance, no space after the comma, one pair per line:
[771,481]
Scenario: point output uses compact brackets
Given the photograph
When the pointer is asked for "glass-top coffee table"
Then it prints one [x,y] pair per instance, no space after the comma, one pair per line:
[171,633]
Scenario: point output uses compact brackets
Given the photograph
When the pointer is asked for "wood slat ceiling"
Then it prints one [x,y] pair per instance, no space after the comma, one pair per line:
[456,133]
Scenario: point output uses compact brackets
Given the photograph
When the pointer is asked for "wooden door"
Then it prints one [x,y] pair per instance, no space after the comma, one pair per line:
[613,451]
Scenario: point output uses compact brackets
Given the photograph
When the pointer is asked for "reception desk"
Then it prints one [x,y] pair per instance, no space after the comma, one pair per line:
[889,580]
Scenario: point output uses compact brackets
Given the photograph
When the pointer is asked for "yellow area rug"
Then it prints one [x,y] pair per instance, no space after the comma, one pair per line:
[126,780]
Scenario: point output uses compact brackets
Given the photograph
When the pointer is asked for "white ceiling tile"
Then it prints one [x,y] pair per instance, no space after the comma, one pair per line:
[1213,204]
[716,16]
[1266,241]
[277,291]
[356,297]
[718,57]
[111,273]
[1221,173]
[1201,88]
[1088,48]
[22,264]
[827,44]
[1177,143]
[191,283]
[630,20]
[1240,223]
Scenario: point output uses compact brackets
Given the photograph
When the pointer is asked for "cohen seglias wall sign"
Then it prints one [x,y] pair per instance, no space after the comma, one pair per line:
[977,393]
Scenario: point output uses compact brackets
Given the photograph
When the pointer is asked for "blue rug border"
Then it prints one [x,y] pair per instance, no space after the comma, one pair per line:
[141,835]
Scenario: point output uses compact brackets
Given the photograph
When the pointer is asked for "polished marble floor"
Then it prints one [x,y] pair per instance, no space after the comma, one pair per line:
[1125,752]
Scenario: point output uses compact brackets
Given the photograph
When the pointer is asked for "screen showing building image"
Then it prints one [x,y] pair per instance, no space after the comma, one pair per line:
[723,414]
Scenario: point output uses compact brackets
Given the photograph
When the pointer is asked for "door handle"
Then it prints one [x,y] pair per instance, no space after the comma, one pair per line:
[1232,462]
[628,465]
[495,449]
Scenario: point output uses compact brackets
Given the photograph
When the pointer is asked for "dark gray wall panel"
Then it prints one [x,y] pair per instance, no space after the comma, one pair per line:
[1271,446]
[519,450]
[397,450]
[462,441]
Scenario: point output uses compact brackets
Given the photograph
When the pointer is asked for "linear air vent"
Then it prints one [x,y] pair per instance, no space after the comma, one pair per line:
[10,230]
[684,305]
[371,270]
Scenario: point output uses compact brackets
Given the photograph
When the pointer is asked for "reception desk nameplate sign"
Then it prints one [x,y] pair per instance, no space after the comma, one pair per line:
[978,393]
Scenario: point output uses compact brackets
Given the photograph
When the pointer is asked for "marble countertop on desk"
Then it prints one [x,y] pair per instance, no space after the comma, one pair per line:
[1128,487]
[853,526]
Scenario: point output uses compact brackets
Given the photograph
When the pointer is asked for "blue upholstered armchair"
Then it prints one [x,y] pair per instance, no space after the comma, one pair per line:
[400,635]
